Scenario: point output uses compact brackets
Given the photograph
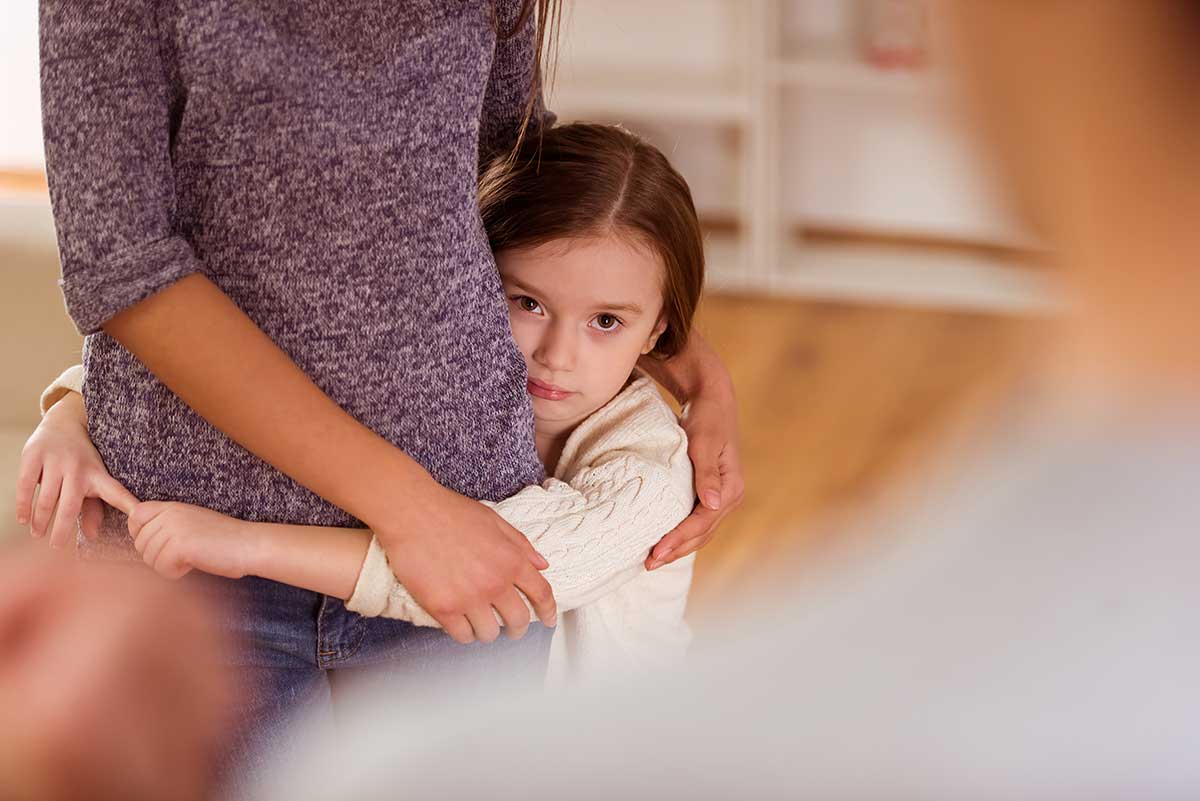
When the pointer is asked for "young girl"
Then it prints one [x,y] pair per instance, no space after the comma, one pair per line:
[601,259]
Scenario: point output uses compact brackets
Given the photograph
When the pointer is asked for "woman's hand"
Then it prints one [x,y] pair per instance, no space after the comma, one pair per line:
[59,456]
[176,538]
[710,423]
[461,561]
[698,379]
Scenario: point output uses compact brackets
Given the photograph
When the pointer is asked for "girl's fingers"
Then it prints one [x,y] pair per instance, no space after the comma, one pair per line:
[169,563]
[150,542]
[140,515]
[113,493]
[91,516]
[47,499]
[27,480]
[63,532]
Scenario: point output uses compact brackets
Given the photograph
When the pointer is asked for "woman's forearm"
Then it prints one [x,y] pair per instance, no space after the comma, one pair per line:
[324,560]
[209,353]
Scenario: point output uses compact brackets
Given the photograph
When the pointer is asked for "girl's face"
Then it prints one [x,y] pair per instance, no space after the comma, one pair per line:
[582,312]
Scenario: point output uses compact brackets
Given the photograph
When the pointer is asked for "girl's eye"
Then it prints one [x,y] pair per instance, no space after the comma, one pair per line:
[527,303]
[606,322]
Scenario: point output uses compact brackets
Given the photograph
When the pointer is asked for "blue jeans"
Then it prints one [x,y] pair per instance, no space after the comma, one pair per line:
[299,650]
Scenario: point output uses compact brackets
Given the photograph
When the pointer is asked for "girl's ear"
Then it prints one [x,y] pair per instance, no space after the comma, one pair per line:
[659,327]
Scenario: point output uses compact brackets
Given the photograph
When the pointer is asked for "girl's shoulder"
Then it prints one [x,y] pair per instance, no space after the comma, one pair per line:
[637,423]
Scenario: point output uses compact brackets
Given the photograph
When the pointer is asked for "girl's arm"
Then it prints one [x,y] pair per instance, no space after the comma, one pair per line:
[698,380]
[175,538]
[107,118]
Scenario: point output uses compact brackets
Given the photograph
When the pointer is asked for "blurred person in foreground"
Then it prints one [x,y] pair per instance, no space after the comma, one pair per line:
[109,684]
[1030,633]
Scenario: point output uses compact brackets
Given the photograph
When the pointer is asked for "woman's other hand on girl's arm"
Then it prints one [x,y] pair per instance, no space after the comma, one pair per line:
[483,551]
[60,458]
[698,379]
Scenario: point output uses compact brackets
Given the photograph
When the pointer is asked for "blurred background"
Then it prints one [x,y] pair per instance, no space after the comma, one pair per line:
[867,279]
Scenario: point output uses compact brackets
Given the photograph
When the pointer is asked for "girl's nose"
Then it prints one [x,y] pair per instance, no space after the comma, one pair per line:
[556,350]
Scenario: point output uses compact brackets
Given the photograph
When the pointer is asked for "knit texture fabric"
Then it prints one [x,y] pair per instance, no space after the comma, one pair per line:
[318,162]
[622,482]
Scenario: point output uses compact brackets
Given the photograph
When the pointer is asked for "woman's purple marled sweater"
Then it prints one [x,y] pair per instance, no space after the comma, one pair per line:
[317,160]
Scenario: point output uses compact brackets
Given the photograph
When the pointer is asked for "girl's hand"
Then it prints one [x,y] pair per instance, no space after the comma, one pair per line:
[710,420]
[176,538]
[59,456]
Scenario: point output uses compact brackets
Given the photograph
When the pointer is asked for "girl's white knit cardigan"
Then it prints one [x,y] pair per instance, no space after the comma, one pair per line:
[622,482]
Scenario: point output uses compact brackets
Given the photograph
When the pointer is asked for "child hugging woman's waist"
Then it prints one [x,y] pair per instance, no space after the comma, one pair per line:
[601,259]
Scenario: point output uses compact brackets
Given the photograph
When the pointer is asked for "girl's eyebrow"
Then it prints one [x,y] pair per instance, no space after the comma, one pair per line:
[632,308]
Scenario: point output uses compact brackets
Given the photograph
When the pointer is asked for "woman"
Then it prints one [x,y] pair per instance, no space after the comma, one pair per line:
[242,197]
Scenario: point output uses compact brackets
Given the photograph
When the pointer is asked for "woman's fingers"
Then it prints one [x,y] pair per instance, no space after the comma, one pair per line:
[718,472]
[47,499]
[698,524]
[514,612]
[483,623]
[459,628]
[91,516]
[541,597]
[720,487]
[686,548]
[70,499]
[522,542]
[708,479]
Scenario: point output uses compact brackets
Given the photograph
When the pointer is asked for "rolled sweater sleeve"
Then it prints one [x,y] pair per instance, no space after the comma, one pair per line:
[595,531]
[107,109]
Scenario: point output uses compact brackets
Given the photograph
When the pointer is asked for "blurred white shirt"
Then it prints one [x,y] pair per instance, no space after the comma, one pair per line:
[1032,633]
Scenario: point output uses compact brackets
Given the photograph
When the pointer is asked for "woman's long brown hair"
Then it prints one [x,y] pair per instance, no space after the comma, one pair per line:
[548,19]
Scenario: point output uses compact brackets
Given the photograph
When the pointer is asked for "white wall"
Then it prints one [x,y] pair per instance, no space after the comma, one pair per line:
[20,122]
[875,152]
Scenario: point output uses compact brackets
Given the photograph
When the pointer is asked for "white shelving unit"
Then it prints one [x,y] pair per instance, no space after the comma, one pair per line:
[768,110]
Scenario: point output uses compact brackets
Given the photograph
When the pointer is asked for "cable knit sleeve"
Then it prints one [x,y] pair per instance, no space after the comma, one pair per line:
[633,485]
[71,380]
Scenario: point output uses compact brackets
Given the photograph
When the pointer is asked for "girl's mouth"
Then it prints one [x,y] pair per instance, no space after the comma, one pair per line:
[540,389]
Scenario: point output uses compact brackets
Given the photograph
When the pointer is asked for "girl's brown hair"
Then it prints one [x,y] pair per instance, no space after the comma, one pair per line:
[585,180]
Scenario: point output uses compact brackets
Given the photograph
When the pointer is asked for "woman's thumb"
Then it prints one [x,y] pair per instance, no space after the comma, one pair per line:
[708,486]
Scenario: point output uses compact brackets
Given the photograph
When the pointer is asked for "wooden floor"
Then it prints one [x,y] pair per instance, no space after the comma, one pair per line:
[834,401]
